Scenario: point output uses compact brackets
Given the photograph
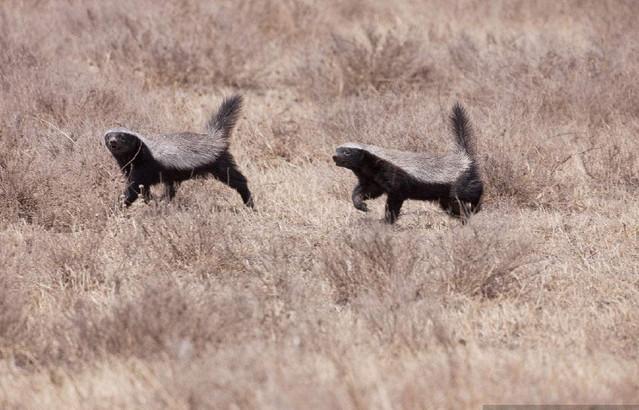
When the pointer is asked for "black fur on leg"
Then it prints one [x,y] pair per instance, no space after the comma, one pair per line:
[393,207]
[225,170]
[365,189]
[459,209]
[130,194]
[465,196]
[145,190]
[170,189]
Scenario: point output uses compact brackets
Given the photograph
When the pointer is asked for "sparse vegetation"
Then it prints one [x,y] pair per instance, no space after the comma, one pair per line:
[308,303]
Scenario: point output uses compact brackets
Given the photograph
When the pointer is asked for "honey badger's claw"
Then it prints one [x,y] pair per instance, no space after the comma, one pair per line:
[361,206]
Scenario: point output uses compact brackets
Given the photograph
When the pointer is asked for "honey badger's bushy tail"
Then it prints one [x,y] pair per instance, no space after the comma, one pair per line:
[468,189]
[463,131]
[223,121]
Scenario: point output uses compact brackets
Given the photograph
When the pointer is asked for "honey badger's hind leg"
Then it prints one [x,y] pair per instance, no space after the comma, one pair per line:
[464,200]
[170,189]
[393,206]
[365,190]
[134,190]
[225,170]
[130,194]
[458,208]
[146,193]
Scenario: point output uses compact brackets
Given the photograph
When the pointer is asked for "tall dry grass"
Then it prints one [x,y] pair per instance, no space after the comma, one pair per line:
[307,302]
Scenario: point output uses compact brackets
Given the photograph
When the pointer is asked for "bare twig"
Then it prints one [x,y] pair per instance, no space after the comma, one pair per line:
[55,127]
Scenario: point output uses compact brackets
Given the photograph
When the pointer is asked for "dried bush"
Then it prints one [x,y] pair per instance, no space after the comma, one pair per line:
[18,187]
[371,262]
[164,317]
[369,60]
[513,179]
[13,315]
[487,264]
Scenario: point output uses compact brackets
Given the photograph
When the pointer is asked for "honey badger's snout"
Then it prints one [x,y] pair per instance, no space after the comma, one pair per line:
[114,145]
[119,143]
[341,157]
[339,160]
[110,141]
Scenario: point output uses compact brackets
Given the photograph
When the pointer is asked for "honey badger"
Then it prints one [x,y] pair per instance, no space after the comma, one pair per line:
[452,180]
[173,158]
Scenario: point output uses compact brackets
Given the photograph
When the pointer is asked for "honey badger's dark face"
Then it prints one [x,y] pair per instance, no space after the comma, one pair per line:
[120,143]
[350,158]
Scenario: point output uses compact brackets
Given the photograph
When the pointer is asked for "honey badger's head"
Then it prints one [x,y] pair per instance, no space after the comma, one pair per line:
[121,142]
[349,156]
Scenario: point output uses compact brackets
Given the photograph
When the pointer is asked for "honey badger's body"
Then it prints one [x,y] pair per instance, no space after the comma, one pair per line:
[451,180]
[173,158]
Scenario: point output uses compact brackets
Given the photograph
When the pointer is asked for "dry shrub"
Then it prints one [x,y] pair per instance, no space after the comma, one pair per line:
[514,179]
[370,262]
[615,164]
[72,264]
[13,314]
[202,244]
[624,167]
[275,138]
[399,121]
[18,187]
[73,179]
[370,60]
[42,125]
[539,88]
[163,317]
[190,44]
[491,264]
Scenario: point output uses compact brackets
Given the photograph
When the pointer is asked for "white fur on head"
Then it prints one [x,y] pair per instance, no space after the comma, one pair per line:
[423,167]
[352,145]
[122,130]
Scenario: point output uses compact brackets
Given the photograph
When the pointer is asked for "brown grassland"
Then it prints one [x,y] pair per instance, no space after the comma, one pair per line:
[307,302]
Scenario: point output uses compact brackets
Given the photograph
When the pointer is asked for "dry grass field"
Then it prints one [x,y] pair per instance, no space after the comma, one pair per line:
[307,302]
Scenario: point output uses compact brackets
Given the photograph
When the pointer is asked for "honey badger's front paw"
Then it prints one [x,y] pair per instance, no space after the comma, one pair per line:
[361,206]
